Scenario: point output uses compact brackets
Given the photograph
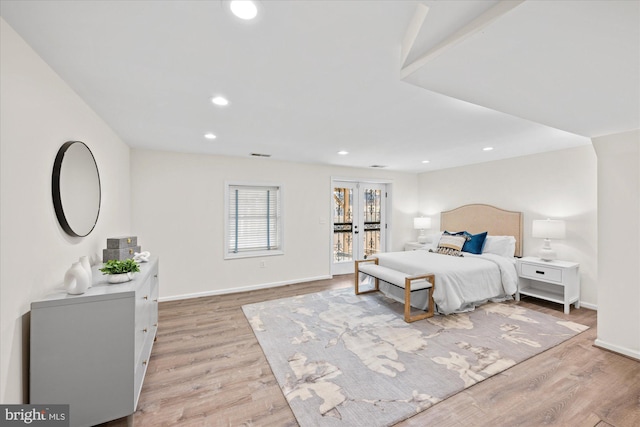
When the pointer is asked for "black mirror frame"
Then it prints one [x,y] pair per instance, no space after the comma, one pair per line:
[55,190]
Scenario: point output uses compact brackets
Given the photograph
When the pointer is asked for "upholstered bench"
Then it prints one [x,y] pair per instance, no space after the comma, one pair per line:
[409,283]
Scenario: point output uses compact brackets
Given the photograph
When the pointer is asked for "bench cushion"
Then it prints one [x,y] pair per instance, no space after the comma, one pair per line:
[392,276]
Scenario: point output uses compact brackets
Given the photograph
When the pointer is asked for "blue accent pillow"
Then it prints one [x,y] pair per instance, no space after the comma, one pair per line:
[474,243]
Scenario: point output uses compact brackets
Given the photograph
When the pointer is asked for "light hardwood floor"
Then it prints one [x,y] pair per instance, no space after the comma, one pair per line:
[207,369]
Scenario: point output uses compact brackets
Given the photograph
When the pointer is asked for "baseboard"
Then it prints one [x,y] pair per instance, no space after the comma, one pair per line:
[242,289]
[588,305]
[634,354]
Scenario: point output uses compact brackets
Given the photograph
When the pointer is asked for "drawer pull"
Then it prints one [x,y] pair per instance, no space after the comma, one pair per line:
[539,272]
[144,330]
[155,300]
[146,297]
[144,363]
[155,324]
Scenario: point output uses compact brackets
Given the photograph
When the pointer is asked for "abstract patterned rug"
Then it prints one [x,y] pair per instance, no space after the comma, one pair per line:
[347,360]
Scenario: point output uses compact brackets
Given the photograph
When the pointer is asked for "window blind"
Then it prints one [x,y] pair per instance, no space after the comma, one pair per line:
[254,218]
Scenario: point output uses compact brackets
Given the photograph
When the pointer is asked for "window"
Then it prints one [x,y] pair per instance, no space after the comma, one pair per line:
[253,220]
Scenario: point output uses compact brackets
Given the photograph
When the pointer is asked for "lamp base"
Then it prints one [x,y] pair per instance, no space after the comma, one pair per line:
[546,253]
[422,237]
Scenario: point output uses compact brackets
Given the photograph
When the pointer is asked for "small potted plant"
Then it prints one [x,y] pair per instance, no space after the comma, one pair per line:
[120,271]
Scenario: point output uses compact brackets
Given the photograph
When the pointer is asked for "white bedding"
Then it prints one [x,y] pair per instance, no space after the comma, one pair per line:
[461,282]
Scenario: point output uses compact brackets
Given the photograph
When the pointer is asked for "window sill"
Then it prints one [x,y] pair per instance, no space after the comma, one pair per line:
[256,254]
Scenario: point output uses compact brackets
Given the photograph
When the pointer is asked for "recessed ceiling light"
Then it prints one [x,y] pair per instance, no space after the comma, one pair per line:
[220,100]
[244,9]
[343,152]
[209,135]
[425,161]
[487,149]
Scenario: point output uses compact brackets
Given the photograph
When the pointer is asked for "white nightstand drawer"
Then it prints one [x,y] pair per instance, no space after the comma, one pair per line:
[541,272]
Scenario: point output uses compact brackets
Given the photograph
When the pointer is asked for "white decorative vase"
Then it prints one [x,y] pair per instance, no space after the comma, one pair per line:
[84,260]
[76,280]
[120,278]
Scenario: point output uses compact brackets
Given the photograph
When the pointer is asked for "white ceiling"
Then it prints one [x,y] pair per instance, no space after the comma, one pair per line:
[310,78]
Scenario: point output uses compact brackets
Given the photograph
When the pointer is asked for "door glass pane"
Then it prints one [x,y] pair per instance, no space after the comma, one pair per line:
[342,224]
[372,202]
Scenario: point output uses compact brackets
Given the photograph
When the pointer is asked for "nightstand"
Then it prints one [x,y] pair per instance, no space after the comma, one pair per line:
[412,246]
[557,281]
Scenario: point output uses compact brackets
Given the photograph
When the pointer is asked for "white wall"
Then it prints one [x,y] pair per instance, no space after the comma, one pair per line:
[38,113]
[619,247]
[178,214]
[559,185]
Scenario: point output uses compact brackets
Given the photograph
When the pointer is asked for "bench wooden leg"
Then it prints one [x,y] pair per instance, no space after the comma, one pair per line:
[407,298]
[357,278]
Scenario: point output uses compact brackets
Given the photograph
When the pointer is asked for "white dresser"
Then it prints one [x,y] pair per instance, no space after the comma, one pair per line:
[91,351]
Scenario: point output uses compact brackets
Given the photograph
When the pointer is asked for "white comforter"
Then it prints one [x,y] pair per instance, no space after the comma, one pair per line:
[461,282]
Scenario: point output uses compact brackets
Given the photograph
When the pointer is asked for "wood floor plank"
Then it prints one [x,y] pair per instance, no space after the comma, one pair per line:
[207,369]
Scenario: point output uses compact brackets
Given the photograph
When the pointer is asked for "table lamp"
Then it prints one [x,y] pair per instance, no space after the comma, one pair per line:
[422,224]
[548,229]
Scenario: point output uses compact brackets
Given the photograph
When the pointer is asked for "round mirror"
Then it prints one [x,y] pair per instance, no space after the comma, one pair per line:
[76,189]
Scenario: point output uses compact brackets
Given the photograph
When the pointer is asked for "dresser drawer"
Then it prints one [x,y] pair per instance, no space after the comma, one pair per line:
[142,316]
[541,272]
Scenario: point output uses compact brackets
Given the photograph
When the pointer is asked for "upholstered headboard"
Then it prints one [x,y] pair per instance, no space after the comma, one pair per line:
[477,218]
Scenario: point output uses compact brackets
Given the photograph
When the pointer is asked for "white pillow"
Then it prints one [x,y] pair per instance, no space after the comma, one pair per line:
[500,245]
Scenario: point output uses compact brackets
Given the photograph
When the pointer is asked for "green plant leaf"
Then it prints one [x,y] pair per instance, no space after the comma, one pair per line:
[119,267]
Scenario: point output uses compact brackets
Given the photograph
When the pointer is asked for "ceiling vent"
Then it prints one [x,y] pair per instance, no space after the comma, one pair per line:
[260,155]
[378,166]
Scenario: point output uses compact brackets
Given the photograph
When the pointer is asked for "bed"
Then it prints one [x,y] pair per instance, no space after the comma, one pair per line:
[463,282]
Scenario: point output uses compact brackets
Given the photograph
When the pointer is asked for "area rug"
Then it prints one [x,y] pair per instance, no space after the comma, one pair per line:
[347,360]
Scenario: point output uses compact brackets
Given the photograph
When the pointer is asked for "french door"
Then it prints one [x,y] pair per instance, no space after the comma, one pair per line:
[359,223]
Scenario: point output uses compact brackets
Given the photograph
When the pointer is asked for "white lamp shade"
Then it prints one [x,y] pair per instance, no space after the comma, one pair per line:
[548,229]
[422,223]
